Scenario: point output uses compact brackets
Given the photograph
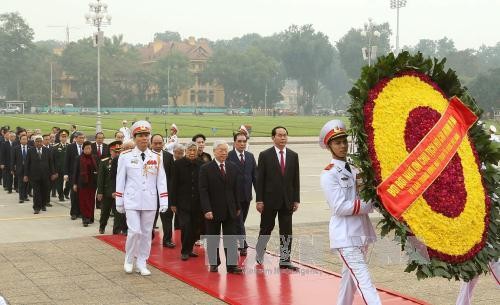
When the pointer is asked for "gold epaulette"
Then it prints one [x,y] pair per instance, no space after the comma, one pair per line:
[329,167]
[125,151]
[105,159]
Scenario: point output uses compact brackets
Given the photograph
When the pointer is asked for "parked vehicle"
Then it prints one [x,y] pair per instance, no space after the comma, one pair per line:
[11,110]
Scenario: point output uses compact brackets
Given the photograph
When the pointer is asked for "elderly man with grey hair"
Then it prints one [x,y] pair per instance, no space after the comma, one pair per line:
[221,206]
[185,202]
[179,151]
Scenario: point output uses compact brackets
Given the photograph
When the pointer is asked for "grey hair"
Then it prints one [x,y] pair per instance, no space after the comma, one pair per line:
[218,143]
[190,145]
[78,133]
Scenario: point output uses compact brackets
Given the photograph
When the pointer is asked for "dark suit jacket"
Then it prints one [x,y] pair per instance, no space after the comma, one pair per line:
[71,159]
[219,194]
[248,170]
[184,192]
[17,160]
[168,165]
[6,153]
[105,150]
[38,168]
[273,188]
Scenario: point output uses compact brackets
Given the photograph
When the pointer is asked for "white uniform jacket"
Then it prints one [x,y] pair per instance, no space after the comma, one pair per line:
[138,183]
[126,133]
[350,225]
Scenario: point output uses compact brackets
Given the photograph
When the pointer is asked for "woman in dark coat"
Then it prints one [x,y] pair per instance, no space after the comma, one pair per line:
[85,178]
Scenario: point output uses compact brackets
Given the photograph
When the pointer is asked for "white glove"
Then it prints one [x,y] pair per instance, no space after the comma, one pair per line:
[120,209]
[163,208]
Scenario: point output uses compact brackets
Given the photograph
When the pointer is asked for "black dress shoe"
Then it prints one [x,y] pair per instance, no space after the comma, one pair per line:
[44,209]
[289,266]
[36,212]
[214,268]
[169,244]
[185,257]
[66,196]
[48,204]
[85,224]
[26,199]
[234,270]
[91,220]
[192,254]
[21,201]
[243,252]
[61,199]
[9,192]
[101,231]
[73,217]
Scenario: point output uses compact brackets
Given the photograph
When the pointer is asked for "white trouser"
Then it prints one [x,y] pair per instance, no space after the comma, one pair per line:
[355,275]
[467,288]
[140,228]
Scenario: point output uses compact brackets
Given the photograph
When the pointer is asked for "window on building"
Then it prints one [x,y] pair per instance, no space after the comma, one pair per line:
[211,96]
[193,96]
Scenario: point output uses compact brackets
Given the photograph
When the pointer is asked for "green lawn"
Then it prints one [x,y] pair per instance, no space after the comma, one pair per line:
[188,124]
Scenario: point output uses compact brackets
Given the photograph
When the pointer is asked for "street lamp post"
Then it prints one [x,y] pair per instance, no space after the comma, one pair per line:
[370,33]
[98,17]
[397,4]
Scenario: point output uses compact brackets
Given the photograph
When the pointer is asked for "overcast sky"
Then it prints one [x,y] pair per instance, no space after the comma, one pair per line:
[470,23]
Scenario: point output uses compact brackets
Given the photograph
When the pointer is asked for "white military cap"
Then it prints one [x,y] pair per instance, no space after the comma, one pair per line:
[37,137]
[174,127]
[141,127]
[331,130]
[243,129]
[493,129]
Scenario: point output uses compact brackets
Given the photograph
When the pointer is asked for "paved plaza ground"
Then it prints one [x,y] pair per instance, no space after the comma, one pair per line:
[49,259]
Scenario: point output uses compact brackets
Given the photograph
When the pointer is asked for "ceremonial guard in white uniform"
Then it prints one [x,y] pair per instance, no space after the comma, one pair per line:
[140,179]
[350,228]
[173,139]
[126,131]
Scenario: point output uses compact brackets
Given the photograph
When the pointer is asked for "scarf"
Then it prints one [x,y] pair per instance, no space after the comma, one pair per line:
[87,168]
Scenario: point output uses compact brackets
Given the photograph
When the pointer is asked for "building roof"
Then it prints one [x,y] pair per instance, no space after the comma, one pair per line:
[193,49]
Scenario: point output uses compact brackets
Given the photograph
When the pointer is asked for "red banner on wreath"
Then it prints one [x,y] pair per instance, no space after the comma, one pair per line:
[427,160]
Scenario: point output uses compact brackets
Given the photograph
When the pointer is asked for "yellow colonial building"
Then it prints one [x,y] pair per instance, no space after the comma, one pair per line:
[201,94]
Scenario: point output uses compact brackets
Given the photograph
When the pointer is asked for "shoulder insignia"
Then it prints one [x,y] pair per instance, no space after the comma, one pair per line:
[329,167]
[105,159]
[125,151]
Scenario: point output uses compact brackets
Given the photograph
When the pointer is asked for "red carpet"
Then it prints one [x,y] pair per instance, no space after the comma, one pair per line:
[259,284]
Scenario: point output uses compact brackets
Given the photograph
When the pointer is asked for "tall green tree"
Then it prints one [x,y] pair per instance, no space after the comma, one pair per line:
[167,36]
[16,44]
[173,75]
[486,90]
[306,56]
[249,77]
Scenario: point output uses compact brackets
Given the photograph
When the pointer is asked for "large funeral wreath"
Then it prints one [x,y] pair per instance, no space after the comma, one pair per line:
[395,103]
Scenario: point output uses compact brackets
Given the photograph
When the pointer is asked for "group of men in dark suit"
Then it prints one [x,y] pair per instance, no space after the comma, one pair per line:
[225,193]
[219,189]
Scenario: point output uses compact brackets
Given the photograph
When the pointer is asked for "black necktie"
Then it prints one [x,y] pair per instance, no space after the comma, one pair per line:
[348,167]
[24,152]
[241,159]
[143,156]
